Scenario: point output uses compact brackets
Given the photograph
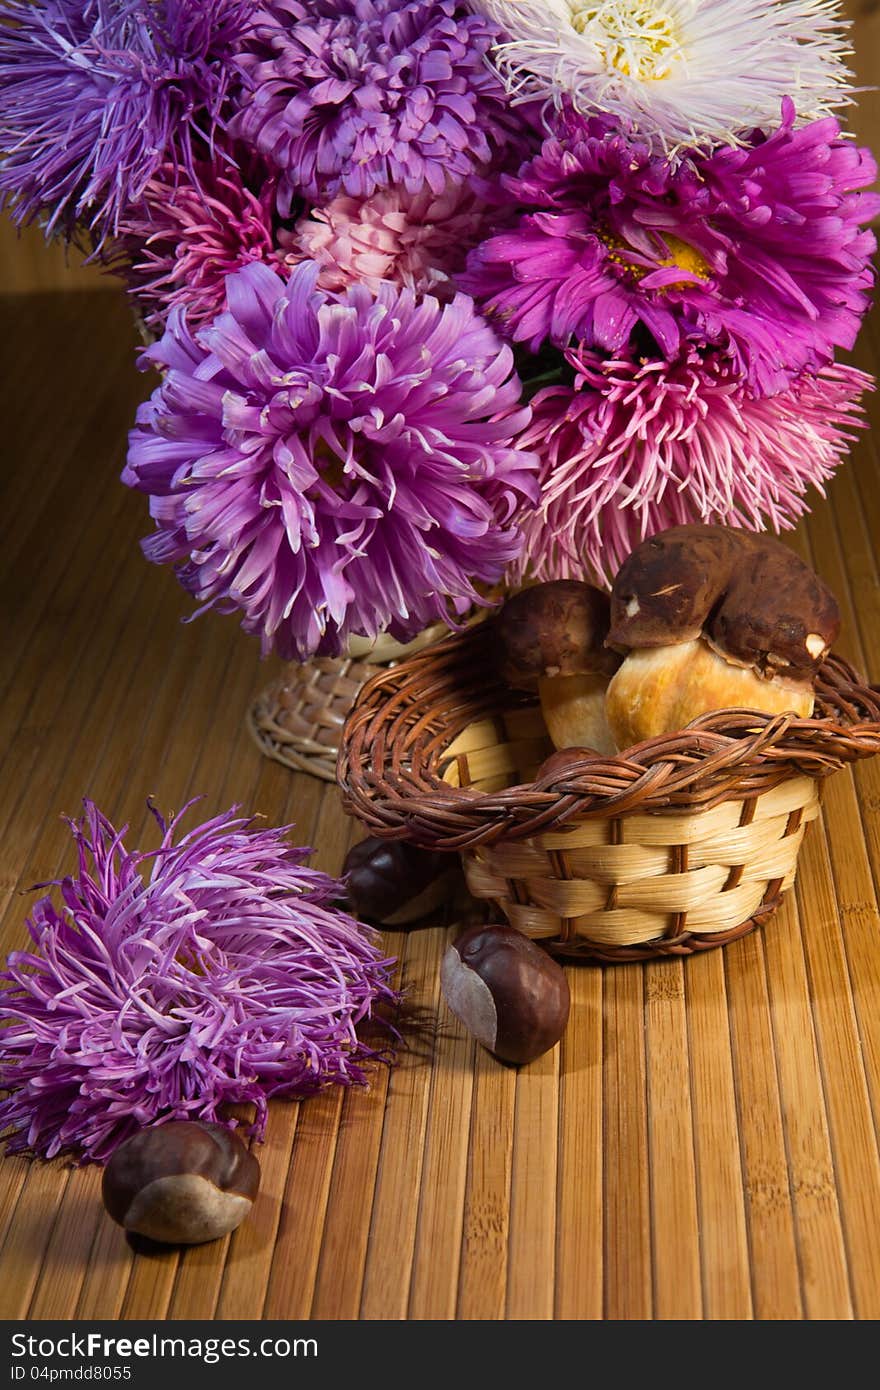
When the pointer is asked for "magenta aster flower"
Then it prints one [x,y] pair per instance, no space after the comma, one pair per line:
[95,95]
[419,241]
[333,464]
[370,93]
[183,238]
[635,446]
[216,970]
[759,250]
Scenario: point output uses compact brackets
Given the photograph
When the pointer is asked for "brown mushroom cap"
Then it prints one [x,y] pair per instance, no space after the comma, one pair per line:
[753,599]
[554,629]
[563,763]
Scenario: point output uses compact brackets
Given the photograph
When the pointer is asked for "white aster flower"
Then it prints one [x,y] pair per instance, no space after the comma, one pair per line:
[682,72]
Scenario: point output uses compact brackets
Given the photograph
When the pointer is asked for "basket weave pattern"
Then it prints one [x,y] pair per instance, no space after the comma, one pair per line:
[297,719]
[687,842]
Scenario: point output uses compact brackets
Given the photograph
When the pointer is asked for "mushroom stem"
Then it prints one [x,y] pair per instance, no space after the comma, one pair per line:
[574,712]
[661,689]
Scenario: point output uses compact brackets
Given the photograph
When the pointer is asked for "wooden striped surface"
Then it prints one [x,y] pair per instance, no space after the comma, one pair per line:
[28,264]
[702,1145]
[704,1142]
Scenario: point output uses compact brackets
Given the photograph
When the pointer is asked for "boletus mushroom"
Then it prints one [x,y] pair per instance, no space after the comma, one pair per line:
[551,638]
[710,618]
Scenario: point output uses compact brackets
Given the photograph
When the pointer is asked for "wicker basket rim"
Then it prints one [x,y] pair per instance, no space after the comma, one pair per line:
[395,736]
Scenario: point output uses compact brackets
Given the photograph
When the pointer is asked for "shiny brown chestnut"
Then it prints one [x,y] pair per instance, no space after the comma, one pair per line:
[506,990]
[181,1183]
[395,883]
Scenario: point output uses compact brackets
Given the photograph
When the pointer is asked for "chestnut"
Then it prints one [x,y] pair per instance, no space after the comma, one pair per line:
[181,1183]
[506,990]
[394,883]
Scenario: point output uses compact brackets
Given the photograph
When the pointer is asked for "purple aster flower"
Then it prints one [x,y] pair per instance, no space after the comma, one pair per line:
[371,93]
[170,984]
[96,95]
[758,250]
[333,464]
[634,446]
[181,241]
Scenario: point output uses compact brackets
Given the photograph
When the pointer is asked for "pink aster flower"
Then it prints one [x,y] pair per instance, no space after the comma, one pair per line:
[760,251]
[419,241]
[635,446]
[182,239]
[333,464]
[170,984]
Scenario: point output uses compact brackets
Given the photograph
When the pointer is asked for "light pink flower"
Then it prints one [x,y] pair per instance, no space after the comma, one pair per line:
[419,241]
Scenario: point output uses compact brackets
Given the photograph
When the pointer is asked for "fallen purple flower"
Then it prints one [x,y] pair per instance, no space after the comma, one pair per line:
[169,984]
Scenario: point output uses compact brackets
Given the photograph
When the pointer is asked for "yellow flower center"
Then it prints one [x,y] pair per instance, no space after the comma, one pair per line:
[633,36]
[681,255]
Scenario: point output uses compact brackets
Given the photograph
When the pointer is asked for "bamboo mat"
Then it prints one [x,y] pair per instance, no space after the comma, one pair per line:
[702,1145]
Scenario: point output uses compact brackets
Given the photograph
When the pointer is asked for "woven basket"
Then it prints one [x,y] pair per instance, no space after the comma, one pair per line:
[685,843]
[297,719]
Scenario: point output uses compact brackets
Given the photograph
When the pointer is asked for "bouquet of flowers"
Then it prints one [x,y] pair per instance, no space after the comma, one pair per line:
[449,295]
